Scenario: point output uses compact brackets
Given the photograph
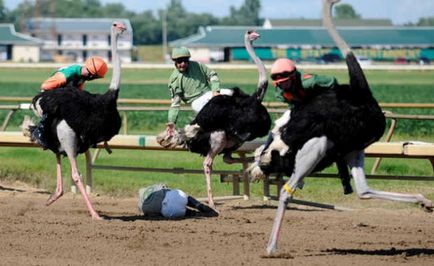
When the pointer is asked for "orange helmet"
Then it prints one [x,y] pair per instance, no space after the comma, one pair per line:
[96,66]
[281,70]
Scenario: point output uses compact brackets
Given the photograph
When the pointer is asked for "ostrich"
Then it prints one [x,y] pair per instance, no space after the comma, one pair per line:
[334,125]
[225,122]
[78,120]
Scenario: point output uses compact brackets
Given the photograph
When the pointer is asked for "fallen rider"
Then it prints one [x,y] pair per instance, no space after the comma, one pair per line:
[159,200]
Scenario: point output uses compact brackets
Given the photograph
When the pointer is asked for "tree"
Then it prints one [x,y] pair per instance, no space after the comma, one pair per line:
[147,29]
[181,23]
[3,12]
[345,11]
[246,15]
[427,21]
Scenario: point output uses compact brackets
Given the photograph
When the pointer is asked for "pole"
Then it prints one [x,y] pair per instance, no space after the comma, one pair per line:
[164,32]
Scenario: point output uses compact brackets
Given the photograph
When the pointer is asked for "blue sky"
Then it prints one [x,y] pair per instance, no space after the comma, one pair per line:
[399,11]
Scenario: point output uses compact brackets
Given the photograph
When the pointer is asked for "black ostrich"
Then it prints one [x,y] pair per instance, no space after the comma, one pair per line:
[334,126]
[77,120]
[226,122]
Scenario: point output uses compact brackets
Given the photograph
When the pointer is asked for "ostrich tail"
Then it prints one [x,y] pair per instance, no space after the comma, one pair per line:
[28,126]
[357,77]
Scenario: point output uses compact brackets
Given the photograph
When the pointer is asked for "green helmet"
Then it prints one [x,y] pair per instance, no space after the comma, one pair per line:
[179,52]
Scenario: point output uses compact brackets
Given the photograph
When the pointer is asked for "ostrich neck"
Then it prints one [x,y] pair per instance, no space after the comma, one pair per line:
[258,63]
[116,62]
[328,23]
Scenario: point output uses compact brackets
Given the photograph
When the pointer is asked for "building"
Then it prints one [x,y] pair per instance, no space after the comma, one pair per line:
[17,47]
[302,22]
[383,43]
[75,39]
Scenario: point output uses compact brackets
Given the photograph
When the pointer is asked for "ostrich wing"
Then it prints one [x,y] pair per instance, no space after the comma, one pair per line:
[93,117]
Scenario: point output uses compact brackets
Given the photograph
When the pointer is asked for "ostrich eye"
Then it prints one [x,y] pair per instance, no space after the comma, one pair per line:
[114,24]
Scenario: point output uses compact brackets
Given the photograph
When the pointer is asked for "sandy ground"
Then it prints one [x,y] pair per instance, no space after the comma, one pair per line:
[64,234]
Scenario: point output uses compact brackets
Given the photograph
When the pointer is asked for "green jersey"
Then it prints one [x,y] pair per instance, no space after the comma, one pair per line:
[309,83]
[190,85]
[72,74]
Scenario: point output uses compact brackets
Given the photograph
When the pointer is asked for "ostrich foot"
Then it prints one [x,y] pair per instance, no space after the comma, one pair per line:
[427,206]
[256,173]
[208,210]
[56,195]
[211,205]
[96,217]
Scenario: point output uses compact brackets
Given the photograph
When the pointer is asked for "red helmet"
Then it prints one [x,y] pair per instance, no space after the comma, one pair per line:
[96,66]
[281,70]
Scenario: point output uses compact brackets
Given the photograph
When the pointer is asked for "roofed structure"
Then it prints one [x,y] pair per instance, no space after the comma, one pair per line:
[379,43]
[220,36]
[16,46]
[9,36]
[69,25]
[75,39]
[303,22]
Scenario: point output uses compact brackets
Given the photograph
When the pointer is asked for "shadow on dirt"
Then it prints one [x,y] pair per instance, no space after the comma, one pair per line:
[22,190]
[131,218]
[11,189]
[408,252]
[271,207]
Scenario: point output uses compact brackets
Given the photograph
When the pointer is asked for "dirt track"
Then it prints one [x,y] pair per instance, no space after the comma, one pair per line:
[64,234]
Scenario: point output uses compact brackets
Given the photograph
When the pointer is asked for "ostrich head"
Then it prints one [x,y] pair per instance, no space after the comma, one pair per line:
[252,35]
[118,27]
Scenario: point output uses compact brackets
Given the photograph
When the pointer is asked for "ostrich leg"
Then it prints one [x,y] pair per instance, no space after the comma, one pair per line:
[207,168]
[59,188]
[356,162]
[217,144]
[68,141]
[344,175]
[312,152]
[78,182]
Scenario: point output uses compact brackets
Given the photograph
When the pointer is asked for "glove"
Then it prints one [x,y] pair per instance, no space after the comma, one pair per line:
[170,128]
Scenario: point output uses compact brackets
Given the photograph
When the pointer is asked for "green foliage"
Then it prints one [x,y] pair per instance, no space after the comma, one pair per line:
[246,15]
[147,28]
[345,11]
[4,13]
[426,21]
[181,23]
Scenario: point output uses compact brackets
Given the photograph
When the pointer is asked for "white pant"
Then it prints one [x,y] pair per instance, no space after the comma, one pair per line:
[200,102]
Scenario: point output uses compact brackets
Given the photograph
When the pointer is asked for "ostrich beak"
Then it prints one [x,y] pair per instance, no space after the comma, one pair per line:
[253,35]
[120,26]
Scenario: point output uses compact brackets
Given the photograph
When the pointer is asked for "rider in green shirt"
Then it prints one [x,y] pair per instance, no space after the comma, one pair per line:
[293,85]
[76,75]
[190,82]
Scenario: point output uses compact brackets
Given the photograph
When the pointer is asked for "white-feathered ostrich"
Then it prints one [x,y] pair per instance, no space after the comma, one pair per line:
[334,125]
[225,122]
[77,120]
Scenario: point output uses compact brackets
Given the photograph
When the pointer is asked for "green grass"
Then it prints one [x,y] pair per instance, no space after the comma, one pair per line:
[37,167]
[150,53]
